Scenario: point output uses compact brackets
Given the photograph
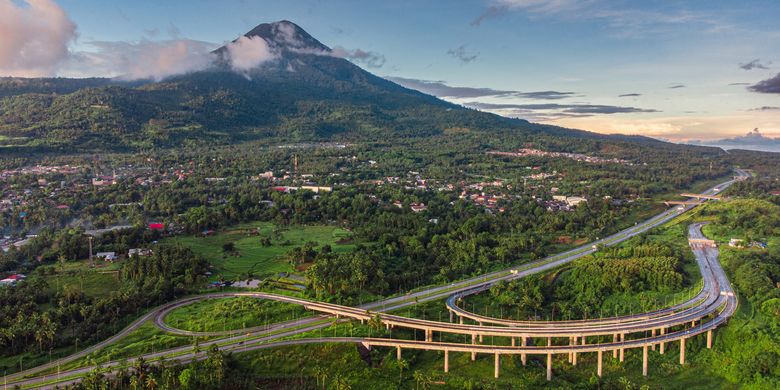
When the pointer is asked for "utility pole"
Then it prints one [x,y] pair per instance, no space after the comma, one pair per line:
[90,252]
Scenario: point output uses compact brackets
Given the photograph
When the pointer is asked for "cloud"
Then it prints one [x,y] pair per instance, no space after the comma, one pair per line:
[462,54]
[247,53]
[630,95]
[543,95]
[140,60]
[767,86]
[739,84]
[676,86]
[368,58]
[501,7]
[441,89]
[765,108]
[591,109]
[34,37]
[623,21]
[755,64]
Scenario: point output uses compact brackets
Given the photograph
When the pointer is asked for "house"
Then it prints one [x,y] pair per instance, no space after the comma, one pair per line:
[759,245]
[140,252]
[317,189]
[736,243]
[575,200]
[418,207]
[103,181]
[107,256]
[12,280]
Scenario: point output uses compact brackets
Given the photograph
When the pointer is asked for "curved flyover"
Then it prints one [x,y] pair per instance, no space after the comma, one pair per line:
[725,306]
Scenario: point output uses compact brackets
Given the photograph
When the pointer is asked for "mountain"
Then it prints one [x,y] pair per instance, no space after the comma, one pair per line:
[301,90]
[753,140]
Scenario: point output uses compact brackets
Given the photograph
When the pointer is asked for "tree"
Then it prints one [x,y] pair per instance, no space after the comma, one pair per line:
[402,364]
[186,378]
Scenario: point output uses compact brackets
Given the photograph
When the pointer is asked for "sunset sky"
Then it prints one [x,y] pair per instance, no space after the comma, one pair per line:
[671,69]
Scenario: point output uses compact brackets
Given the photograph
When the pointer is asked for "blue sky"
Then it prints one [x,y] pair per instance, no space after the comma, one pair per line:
[686,65]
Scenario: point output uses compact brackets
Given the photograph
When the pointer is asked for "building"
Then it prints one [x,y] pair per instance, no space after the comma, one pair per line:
[140,252]
[12,280]
[107,256]
[575,200]
[317,189]
[418,207]
[736,243]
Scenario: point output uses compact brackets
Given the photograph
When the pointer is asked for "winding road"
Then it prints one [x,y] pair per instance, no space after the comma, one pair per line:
[711,307]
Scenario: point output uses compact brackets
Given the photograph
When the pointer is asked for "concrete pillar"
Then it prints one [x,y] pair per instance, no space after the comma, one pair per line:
[571,342]
[652,346]
[622,350]
[513,341]
[461,320]
[398,352]
[451,316]
[473,341]
[446,361]
[429,335]
[644,360]
[574,354]
[661,347]
[709,339]
[498,365]
[614,340]
[598,367]
[682,351]
[523,343]
[693,324]
[549,367]
[480,337]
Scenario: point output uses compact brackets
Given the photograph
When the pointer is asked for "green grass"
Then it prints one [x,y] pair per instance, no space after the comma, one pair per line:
[221,314]
[251,255]
[146,339]
[94,282]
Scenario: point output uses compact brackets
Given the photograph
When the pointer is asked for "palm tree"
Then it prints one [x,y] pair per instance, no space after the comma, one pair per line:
[340,383]
[320,373]
[151,383]
[422,380]
[375,322]
[403,364]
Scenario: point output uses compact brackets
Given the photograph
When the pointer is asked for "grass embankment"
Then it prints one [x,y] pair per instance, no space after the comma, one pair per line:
[251,256]
[221,314]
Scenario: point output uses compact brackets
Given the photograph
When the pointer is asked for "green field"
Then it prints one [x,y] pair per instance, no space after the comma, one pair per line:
[94,282]
[221,314]
[251,255]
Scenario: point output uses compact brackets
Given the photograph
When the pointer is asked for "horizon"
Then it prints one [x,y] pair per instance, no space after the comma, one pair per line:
[680,72]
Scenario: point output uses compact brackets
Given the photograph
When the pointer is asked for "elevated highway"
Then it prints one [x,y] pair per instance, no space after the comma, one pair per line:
[701,314]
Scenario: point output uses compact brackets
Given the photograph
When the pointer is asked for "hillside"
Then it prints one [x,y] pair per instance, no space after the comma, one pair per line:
[305,93]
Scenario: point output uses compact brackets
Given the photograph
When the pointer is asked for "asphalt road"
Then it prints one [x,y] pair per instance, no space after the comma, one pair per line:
[276,331]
